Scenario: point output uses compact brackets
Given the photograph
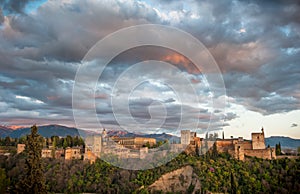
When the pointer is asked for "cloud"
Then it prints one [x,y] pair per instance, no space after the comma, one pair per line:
[256,45]
[294,125]
[14,6]
[1,16]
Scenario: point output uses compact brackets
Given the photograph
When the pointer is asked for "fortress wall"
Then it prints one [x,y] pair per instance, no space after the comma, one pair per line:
[225,145]
[247,145]
[260,153]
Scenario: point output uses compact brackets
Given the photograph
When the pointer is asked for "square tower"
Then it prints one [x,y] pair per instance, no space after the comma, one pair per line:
[185,137]
[93,143]
[258,140]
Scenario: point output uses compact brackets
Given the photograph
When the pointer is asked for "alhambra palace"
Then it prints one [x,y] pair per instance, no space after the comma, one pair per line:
[139,147]
[236,147]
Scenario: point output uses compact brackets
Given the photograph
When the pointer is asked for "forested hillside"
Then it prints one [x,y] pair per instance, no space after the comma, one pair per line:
[217,174]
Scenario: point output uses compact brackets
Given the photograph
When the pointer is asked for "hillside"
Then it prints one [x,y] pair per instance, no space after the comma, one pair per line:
[286,142]
[218,174]
[63,131]
[183,180]
[158,137]
[51,130]
[163,136]
[4,131]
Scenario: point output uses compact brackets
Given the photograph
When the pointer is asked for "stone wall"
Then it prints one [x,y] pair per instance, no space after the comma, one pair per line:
[261,153]
[225,145]
[247,145]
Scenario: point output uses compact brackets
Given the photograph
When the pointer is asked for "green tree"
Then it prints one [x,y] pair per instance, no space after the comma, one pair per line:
[65,144]
[278,149]
[216,135]
[206,143]
[233,184]
[4,181]
[214,153]
[34,180]
[69,141]
[7,141]
[197,150]
[22,139]
[55,141]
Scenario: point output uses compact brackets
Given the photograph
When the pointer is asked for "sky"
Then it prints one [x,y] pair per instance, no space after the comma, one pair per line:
[256,45]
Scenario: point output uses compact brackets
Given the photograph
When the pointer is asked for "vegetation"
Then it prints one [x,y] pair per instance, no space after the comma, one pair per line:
[278,149]
[217,173]
[33,181]
[55,141]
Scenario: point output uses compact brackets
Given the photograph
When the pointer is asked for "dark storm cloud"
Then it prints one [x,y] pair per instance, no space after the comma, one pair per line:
[14,6]
[255,43]
[1,16]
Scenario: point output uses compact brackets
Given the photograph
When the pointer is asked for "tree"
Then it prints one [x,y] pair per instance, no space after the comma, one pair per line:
[22,139]
[214,153]
[206,143]
[65,144]
[4,181]
[69,141]
[216,135]
[278,149]
[7,141]
[197,150]
[233,184]
[34,180]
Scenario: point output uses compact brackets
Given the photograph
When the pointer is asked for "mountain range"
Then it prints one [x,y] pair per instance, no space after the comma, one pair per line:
[45,131]
[5,131]
[285,142]
[63,131]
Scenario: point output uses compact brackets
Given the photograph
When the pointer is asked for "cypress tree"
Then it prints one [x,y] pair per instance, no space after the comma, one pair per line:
[33,180]
[233,184]
[214,151]
[197,150]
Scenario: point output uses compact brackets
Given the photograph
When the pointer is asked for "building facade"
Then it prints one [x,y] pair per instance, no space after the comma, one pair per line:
[20,147]
[73,153]
[47,153]
[94,144]
[134,142]
[239,148]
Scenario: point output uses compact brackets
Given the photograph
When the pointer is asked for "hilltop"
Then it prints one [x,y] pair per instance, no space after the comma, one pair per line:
[47,131]
[286,142]
[63,131]
[4,131]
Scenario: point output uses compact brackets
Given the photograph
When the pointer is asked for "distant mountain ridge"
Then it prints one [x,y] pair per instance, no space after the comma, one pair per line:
[285,142]
[158,137]
[47,131]
[4,131]
[63,131]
